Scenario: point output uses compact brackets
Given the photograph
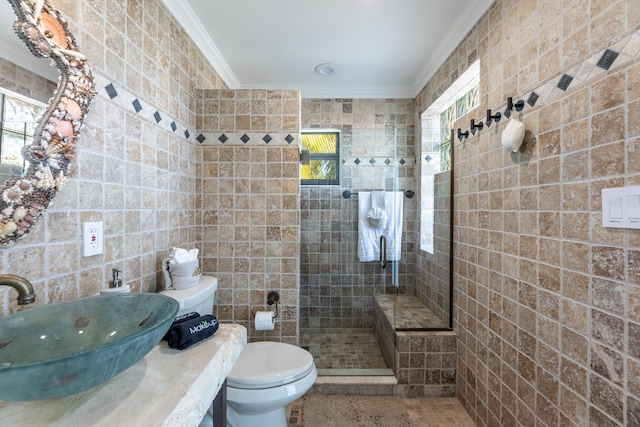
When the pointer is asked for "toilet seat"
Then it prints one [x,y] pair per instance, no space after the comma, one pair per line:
[269,364]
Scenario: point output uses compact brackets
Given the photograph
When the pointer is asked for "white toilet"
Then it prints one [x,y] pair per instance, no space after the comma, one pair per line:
[266,378]
[199,298]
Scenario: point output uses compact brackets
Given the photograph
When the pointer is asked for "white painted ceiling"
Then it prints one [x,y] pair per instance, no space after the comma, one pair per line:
[16,51]
[381,48]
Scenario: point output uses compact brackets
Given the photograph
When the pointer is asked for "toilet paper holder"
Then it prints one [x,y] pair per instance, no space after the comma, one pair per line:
[272,298]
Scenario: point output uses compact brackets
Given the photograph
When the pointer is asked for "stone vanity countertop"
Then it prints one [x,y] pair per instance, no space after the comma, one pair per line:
[166,388]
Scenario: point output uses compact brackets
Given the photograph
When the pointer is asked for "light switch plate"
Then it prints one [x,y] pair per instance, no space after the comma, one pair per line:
[621,207]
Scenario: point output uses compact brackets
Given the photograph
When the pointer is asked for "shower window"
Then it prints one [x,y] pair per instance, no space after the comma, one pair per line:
[323,167]
[458,100]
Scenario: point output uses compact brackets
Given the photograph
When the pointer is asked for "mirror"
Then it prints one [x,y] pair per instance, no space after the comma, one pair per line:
[24,199]
[26,84]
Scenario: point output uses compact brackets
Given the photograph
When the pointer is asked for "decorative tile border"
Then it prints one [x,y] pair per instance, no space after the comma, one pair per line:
[378,161]
[616,55]
[130,102]
[249,138]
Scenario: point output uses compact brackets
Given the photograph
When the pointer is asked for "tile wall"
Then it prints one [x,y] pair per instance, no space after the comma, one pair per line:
[546,299]
[20,80]
[249,196]
[377,149]
[134,172]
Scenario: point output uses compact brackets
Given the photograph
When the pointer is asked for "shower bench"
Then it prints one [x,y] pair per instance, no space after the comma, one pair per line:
[423,361]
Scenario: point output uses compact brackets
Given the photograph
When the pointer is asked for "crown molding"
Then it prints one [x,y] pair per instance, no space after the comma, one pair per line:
[185,16]
[457,32]
[330,92]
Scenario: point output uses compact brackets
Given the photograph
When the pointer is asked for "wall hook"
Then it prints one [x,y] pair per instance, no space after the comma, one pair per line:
[519,105]
[475,126]
[461,134]
[493,118]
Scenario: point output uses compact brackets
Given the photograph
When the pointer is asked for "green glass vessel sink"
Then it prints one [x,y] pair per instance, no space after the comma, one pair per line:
[61,349]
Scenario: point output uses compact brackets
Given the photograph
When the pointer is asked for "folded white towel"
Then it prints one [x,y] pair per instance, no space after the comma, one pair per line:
[183,263]
[369,237]
[377,215]
[377,218]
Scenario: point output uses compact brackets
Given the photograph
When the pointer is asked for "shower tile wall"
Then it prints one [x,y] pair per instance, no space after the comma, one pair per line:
[135,174]
[249,185]
[546,299]
[335,288]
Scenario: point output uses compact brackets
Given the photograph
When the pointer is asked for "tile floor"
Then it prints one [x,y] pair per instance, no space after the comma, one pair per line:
[344,350]
[423,412]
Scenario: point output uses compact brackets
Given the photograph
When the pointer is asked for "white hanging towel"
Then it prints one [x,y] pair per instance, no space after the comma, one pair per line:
[369,237]
[393,231]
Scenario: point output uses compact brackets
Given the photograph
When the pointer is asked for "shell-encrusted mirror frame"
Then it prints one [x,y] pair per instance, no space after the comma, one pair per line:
[23,200]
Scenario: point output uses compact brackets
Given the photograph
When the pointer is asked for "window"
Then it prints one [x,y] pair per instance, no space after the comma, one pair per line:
[18,117]
[458,100]
[323,167]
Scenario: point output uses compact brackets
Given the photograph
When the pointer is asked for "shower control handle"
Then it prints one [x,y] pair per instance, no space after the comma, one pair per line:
[383,252]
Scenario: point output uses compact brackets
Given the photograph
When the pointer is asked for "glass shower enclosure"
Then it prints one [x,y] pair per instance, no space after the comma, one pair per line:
[337,289]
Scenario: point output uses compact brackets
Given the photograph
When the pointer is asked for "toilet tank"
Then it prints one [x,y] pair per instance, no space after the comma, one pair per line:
[199,298]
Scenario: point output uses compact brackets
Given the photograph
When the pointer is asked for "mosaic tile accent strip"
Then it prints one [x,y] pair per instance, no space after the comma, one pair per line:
[251,139]
[378,161]
[130,102]
[614,56]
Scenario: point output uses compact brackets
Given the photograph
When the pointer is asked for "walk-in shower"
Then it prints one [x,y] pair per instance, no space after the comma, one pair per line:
[342,298]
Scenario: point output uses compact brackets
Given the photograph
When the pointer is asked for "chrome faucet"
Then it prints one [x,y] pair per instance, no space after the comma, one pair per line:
[20,284]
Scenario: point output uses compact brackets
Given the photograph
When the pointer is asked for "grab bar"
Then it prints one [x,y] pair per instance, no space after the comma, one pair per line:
[383,251]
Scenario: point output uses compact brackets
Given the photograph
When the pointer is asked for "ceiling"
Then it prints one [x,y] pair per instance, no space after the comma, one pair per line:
[380,48]
[15,50]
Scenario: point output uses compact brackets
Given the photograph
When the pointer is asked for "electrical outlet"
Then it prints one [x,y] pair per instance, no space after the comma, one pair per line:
[92,239]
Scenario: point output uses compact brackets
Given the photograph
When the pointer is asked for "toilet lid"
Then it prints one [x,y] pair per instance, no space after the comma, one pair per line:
[269,364]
